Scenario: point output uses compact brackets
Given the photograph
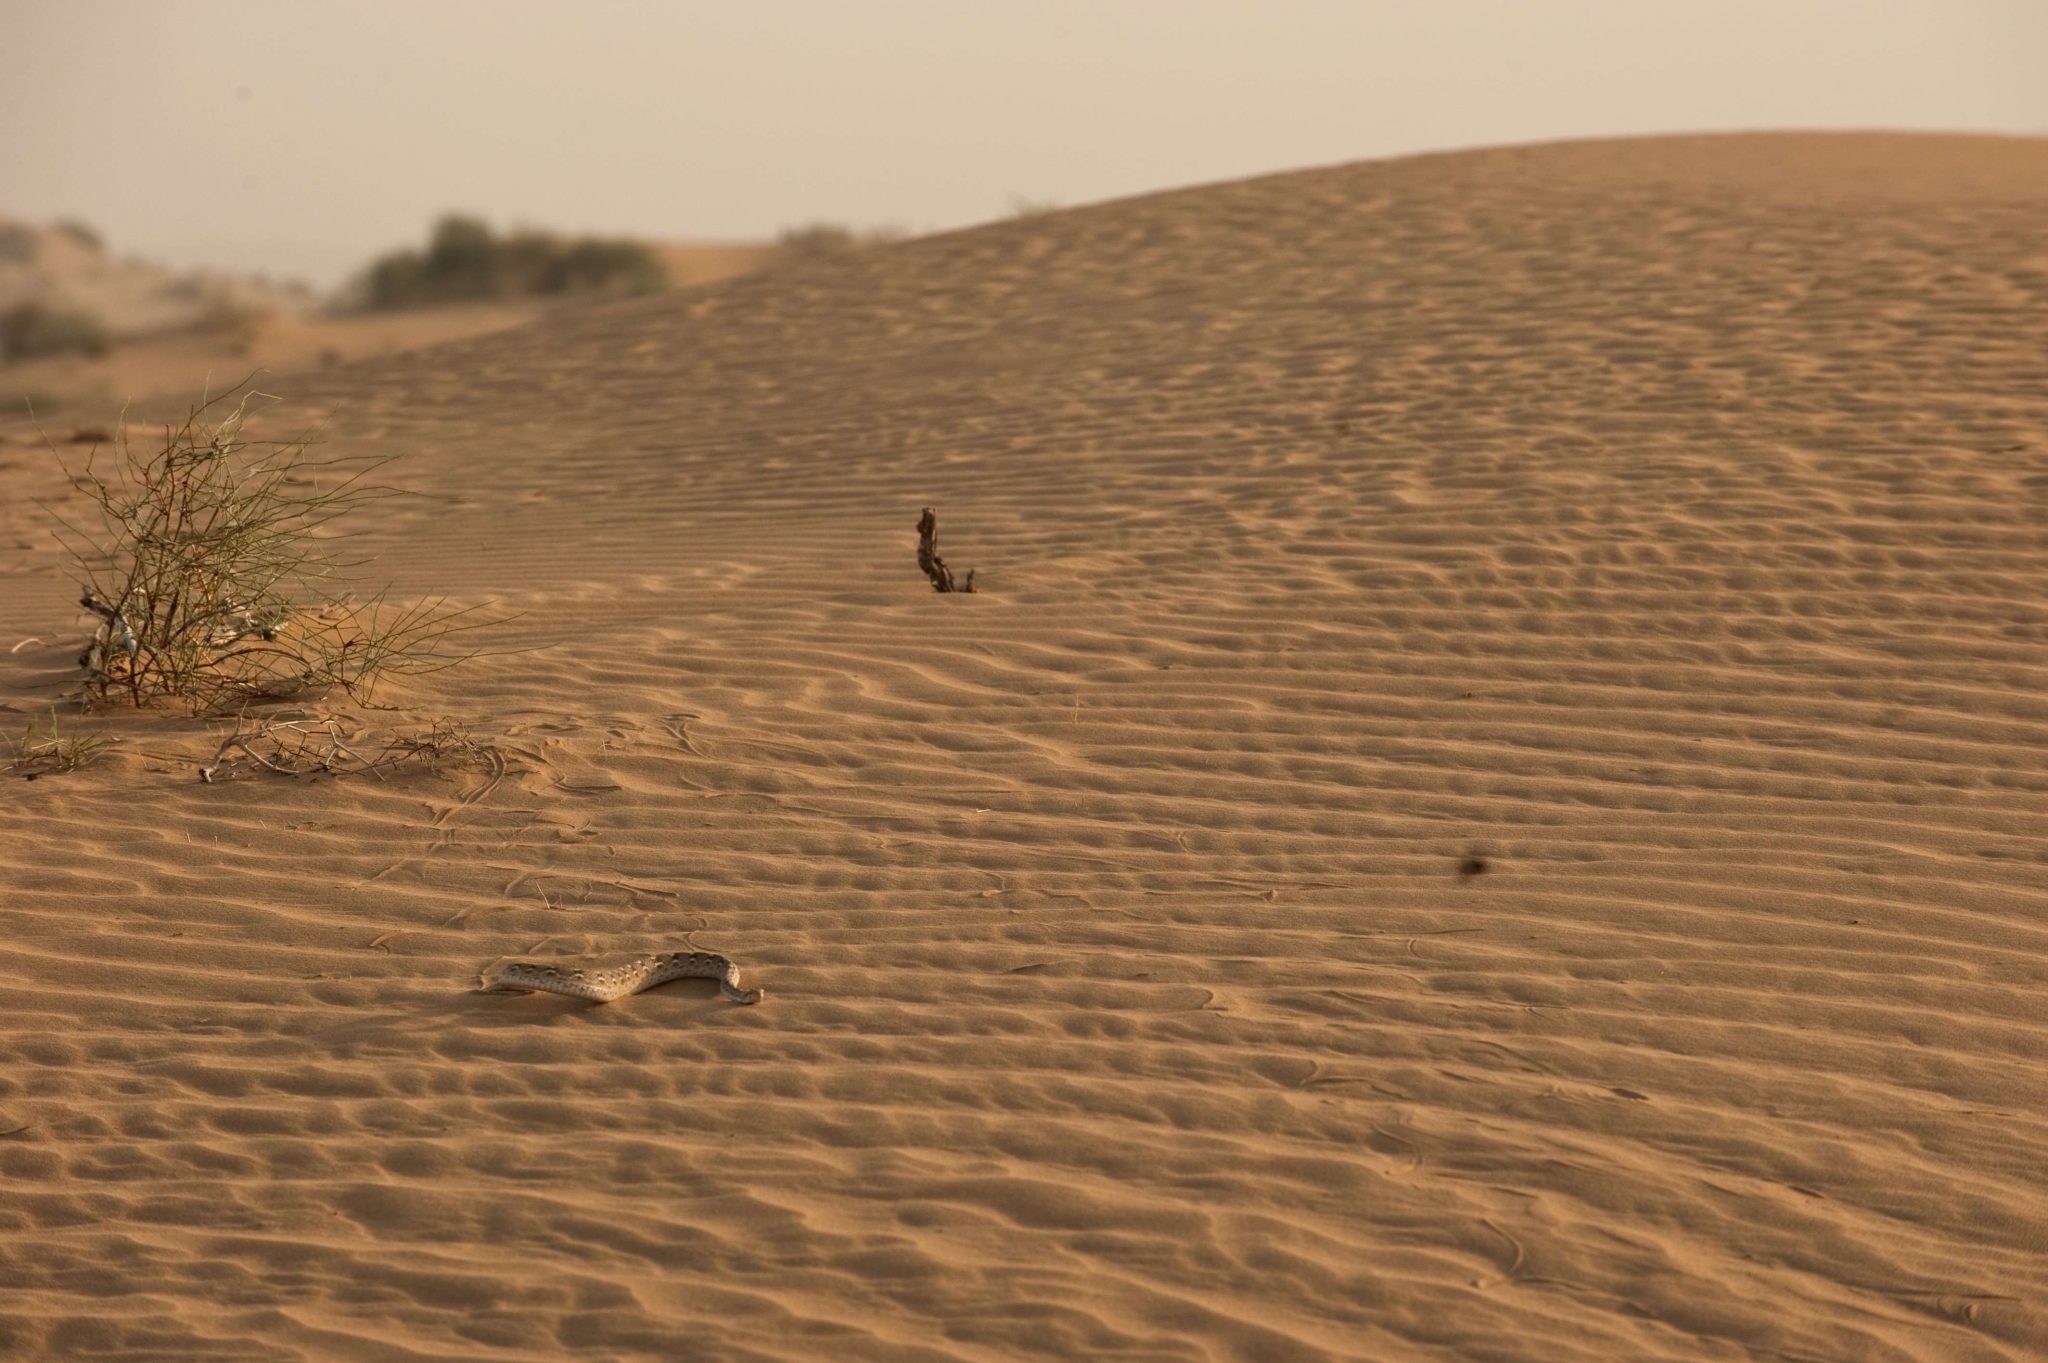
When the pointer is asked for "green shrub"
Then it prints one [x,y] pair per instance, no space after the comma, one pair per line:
[34,754]
[590,264]
[525,263]
[216,581]
[32,330]
[831,241]
[465,261]
[818,241]
[462,259]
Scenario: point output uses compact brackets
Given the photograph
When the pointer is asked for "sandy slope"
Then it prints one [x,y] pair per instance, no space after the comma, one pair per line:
[215,332]
[1661,521]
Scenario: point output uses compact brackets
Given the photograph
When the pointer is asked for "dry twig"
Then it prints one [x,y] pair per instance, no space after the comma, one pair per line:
[928,557]
[320,745]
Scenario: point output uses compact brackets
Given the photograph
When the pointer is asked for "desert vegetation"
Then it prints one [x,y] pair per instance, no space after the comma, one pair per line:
[211,566]
[48,751]
[309,744]
[831,240]
[466,261]
[108,328]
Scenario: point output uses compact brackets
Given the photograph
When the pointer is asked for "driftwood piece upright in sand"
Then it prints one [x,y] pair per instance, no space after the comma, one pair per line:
[928,557]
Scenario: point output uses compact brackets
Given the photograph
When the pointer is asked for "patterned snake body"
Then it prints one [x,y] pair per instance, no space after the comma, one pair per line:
[602,986]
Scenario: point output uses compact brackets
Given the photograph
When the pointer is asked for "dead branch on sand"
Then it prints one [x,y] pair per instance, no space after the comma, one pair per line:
[316,744]
[928,557]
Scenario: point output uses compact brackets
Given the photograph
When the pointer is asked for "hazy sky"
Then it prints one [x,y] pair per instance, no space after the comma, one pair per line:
[304,136]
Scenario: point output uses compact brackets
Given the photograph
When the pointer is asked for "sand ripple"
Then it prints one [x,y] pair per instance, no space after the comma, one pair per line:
[1659,523]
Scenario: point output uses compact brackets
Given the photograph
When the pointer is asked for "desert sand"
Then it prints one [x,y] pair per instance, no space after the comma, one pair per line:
[176,335]
[1492,805]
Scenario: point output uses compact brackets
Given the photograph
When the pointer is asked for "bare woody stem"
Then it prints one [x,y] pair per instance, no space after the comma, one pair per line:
[928,557]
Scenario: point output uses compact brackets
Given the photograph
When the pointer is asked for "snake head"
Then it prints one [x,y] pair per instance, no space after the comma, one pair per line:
[498,982]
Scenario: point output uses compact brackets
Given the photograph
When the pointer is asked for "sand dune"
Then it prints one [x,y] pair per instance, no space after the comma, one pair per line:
[215,332]
[1657,523]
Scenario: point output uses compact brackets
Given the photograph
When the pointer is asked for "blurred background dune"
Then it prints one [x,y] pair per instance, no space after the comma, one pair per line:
[195,188]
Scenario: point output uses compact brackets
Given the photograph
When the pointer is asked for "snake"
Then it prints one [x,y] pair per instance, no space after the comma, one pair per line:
[603,986]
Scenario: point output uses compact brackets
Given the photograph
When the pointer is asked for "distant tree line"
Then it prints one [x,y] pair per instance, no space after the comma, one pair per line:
[465,262]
